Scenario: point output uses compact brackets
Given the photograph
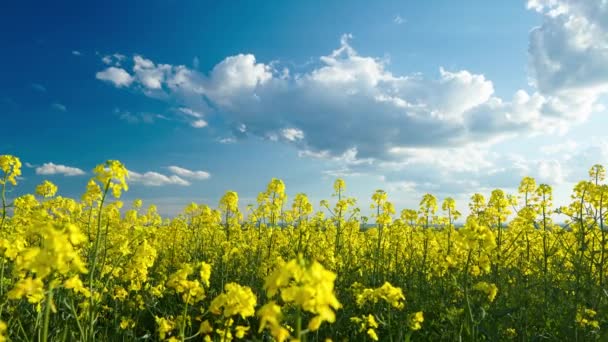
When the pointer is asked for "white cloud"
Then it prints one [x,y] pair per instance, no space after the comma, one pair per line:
[292,134]
[150,75]
[351,103]
[193,117]
[190,112]
[117,76]
[55,169]
[76,53]
[136,118]
[398,20]
[332,104]
[469,158]
[551,171]
[58,106]
[152,178]
[114,59]
[182,172]
[569,55]
[198,123]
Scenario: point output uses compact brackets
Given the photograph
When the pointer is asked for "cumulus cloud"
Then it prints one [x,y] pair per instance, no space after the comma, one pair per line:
[57,169]
[431,130]
[152,178]
[334,102]
[182,172]
[327,109]
[117,76]
[179,176]
[569,50]
[569,55]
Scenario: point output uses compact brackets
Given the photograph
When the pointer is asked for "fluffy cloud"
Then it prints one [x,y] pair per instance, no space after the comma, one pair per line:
[177,177]
[152,178]
[326,109]
[117,76]
[292,134]
[430,130]
[569,51]
[54,169]
[182,172]
[569,55]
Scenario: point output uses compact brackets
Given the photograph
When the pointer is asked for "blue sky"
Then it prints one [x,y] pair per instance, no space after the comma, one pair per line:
[200,97]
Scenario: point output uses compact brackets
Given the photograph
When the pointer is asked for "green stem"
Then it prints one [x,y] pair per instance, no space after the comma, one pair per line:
[47,313]
[82,332]
[182,328]
[2,277]
[94,261]
[3,202]
[299,324]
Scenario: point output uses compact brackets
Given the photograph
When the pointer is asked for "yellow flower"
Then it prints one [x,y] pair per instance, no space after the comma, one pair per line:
[241,331]
[270,316]
[76,284]
[368,324]
[120,293]
[3,329]
[126,323]
[309,287]
[229,202]
[112,174]
[236,300]
[191,290]
[205,327]
[372,334]
[11,166]
[205,273]
[415,320]
[584,318]
[164,326]
[489,289]
[387,292]
[32,289]
[46,189]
